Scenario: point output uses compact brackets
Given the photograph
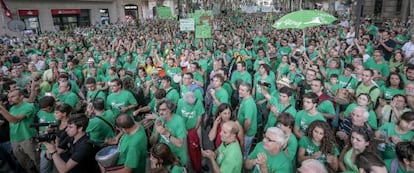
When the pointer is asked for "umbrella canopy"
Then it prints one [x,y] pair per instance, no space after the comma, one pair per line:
[304,19]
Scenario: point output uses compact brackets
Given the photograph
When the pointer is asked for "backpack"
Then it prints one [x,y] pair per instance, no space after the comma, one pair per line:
[194,87]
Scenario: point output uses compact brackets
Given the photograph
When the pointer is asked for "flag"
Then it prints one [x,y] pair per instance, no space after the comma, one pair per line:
[7,12]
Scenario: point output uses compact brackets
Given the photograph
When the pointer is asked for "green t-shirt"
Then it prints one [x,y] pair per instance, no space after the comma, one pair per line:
[222,96]
[258,88]
[98,130]
[22,131]
[229,158]
[382,67]
[90,95]
[117,101]
[275,163]
[133,150]
[248,111]
[303,119]
[173,95]
[45,117]
[272,118]
[74,87]
[389,92]
[311,148]
[292,147]
[69,98]
[176,127]
[366,89]
[245,76]
[190,113]
[347,82]
[389,130]
[326,107]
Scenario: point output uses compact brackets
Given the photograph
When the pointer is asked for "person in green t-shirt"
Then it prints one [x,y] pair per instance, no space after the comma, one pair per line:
[393,133]
[93,92]
[20,116]
[268,155]
[191,110]
[319,143]
[218,94]
[306,116]
[247,115]
[65,95]
[278,105]
[241,74]
[362,140]
[101,123]
[132,145]
[45,115]
[172,93]
[169,128]
[404,163]
[228,157]
[368,86]
[120,101]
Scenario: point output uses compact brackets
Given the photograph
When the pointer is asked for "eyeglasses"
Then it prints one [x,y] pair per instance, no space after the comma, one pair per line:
[267,138]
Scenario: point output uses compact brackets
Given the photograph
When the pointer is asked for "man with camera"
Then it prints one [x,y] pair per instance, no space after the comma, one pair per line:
[20,116]
[80,157]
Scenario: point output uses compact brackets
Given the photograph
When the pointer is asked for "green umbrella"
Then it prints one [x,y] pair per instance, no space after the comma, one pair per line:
[304,19]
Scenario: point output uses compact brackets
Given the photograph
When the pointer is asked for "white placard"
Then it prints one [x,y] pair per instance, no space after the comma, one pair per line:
[187,25]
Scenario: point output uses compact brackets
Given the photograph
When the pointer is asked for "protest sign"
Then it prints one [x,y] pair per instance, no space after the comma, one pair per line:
[203,31]
[164,13]
[187,25]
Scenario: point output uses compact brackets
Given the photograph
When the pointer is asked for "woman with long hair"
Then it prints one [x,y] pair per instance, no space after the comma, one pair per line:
[224,114]
[319,143]
[161,157]
[361,140]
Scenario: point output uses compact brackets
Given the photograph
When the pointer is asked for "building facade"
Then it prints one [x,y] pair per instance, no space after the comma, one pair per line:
[59,15]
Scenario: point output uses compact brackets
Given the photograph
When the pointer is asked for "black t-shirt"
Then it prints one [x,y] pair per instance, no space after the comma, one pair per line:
[387,54]
[83,153]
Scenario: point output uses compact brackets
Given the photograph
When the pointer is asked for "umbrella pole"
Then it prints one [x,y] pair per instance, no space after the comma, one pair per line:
[303,37]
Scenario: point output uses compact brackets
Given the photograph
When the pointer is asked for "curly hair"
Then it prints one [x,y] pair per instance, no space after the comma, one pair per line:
[328,142]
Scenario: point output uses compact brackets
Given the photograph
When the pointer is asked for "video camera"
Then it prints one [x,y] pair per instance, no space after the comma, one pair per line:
[51,136]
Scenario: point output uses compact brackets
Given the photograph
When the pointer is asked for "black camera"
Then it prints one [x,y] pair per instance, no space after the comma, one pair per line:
[44,137]
[51,136]
[266,84]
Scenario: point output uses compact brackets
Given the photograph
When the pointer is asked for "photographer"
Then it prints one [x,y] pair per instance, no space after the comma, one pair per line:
[20,116]
[46,115]
[80,155]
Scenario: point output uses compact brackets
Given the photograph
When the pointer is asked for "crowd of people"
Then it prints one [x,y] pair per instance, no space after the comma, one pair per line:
[249,99]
